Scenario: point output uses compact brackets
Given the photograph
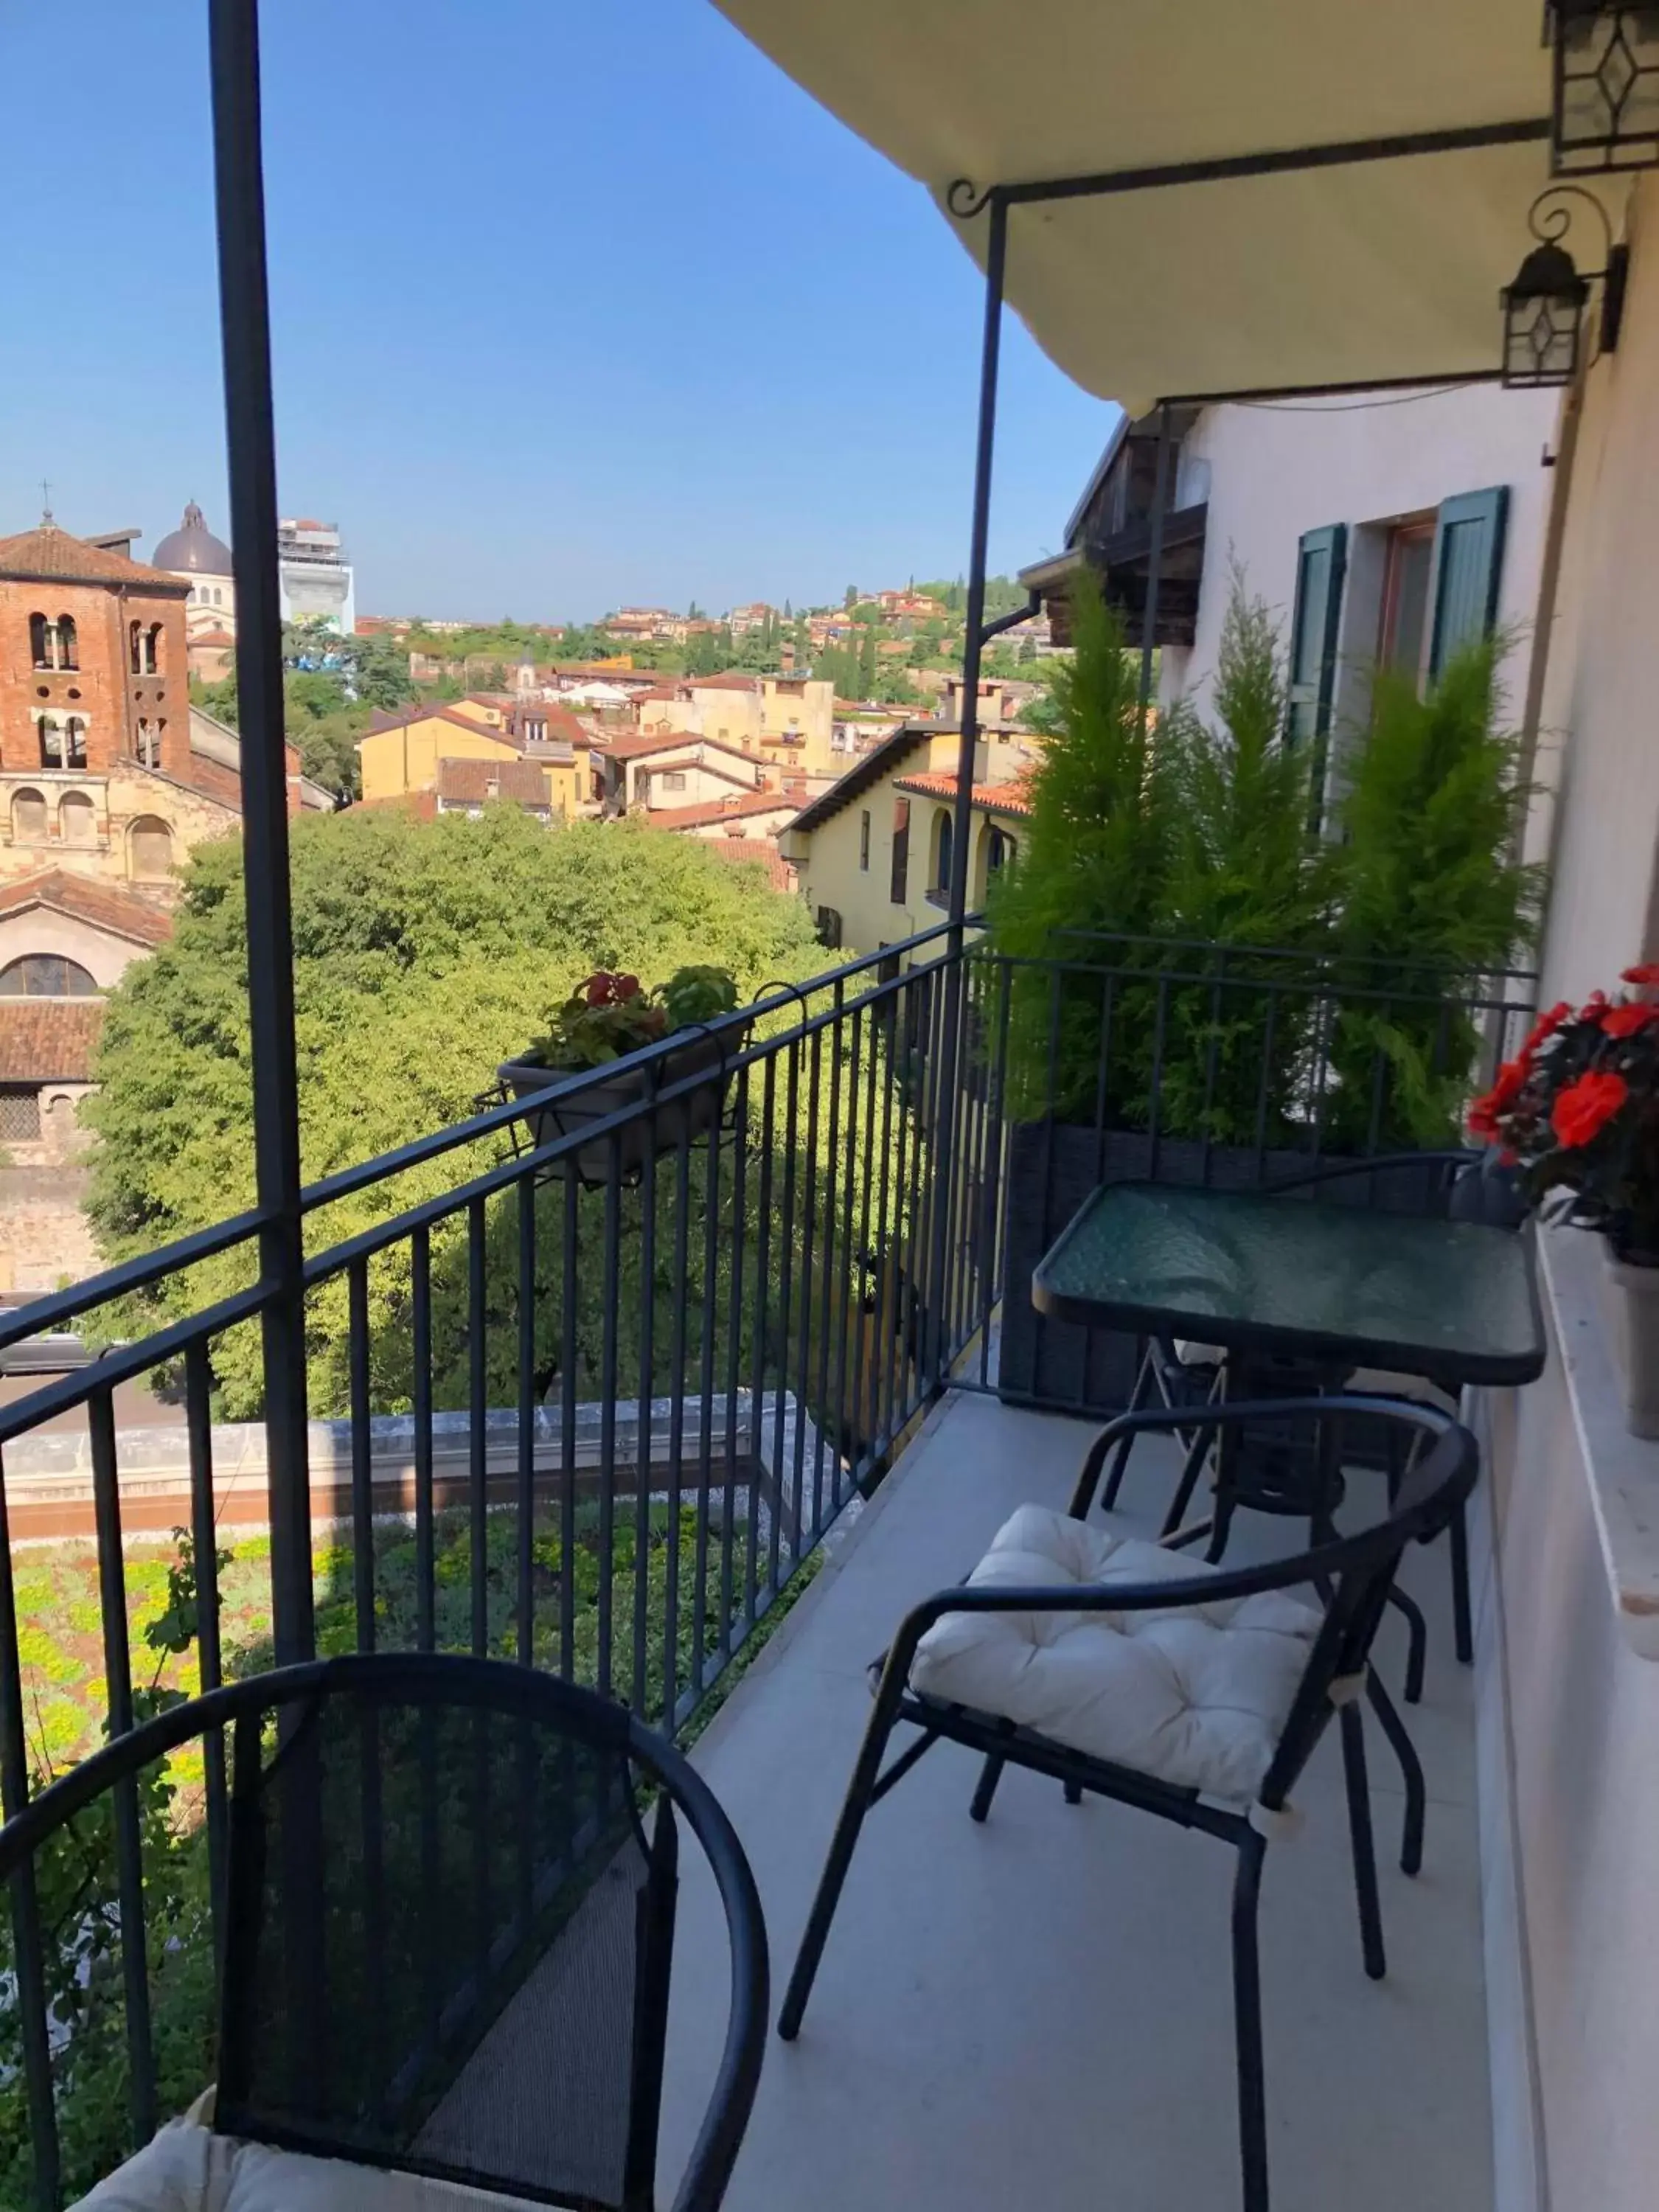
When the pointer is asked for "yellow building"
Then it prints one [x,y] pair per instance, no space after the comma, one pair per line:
[401,757]
[874,851]
[788,719]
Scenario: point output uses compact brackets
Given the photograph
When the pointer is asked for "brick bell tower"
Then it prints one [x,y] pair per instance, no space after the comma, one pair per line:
[93,666]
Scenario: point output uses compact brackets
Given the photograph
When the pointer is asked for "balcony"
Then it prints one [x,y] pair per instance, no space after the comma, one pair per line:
[639,1384]
[1037,2012]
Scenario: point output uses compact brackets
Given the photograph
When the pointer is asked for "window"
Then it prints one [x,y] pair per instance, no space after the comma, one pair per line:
[899,881]
[999,853]
[77,819]
[673,779]
[1469,566]
[144,648]
[150,741]
[63,741]
[19,1113]
[151,846]
[52,644]
[1407,565]
[153,643]
[28,818]
[944,841]
[829,927]
[1322,563]
[864,841]
[46,976]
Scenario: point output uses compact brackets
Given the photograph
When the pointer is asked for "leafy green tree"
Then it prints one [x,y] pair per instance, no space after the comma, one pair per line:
[425,953]
[1429,893]
[1100,852]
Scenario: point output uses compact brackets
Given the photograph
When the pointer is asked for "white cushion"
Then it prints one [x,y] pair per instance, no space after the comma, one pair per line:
[186,2168]
[1196,1697]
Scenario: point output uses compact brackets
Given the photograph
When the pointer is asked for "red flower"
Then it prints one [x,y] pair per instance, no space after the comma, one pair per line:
[1587,1106]
[1546,1026]
[602,988]
[1648,972]
[1486,1113]
[1626,1021]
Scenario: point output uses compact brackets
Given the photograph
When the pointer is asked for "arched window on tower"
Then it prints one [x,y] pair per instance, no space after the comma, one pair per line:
[153,650]
[77,819]
[136,647]
[67,649]
[150,845]
[75,741]
[150,741]
[52,747]
[40,642]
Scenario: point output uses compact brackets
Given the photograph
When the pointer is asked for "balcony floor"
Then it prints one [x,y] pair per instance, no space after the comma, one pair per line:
[1037,2013]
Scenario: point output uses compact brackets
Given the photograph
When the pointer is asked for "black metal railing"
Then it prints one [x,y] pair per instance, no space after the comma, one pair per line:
[593,1403]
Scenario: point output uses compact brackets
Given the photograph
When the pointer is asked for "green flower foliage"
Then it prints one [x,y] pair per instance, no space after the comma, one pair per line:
[424,955]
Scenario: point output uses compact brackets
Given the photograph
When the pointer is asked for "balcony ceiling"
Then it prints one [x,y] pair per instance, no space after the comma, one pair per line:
[1360,274]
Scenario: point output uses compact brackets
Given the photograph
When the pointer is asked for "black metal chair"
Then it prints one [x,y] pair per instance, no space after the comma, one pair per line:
[447,1931]
[949,1646]
[1467,1185]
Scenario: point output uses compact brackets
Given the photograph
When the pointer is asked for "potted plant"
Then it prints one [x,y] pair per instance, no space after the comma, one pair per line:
[1577,1110]
[607,1017]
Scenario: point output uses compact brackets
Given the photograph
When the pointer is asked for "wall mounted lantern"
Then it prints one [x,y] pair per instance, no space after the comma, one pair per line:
[1605,107]
[1544,305]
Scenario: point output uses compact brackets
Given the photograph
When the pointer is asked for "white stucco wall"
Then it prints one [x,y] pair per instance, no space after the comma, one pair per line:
[1272,472]
[1583,1704]
[1601,716]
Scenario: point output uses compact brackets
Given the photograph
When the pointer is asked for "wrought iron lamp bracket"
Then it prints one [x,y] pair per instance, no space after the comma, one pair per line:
[1550,222]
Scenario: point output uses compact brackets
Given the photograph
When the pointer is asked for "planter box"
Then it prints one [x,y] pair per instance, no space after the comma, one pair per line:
[688,1118]
[1053,1166]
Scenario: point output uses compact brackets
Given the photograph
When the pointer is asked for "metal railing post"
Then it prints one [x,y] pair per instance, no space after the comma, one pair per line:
[245,322]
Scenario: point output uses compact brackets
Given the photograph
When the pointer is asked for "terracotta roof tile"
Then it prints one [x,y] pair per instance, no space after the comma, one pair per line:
[1013,797]
[474,782]
[735,809]
[757,851]
[657,741]
[51,552]
[106,906]
[48,1040]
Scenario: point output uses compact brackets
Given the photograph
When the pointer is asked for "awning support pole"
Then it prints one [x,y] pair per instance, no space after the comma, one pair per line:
[946,1089]
[245,324]
[1154,559]
[973,644]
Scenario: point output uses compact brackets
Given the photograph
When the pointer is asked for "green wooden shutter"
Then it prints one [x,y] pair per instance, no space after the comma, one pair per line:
[1322,563]
[1468,563]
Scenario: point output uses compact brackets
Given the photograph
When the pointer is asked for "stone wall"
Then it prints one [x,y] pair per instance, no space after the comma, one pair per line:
[44,1239]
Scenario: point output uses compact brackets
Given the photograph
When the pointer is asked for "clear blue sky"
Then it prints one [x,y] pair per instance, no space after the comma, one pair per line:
[575,304]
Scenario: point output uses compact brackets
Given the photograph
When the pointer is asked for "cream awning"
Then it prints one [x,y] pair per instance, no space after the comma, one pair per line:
[1362,274]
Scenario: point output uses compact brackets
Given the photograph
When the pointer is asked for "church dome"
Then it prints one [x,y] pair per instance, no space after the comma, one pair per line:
[192,550]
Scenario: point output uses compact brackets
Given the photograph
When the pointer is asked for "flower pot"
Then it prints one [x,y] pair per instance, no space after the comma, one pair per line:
[690,1116]
[1630,1301]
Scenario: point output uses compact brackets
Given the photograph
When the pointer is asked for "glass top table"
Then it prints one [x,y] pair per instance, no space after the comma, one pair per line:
[1454,1302]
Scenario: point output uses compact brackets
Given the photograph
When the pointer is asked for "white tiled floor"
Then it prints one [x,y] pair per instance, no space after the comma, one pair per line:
[1037,2013]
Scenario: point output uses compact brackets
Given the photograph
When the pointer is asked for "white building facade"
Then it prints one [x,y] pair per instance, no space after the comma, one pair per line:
[314,576]
[1381,528]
